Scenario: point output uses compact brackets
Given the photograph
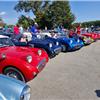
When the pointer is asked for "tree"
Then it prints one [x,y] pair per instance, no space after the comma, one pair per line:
[1,22]
[27,6]
[48,13]
[57,13]
[61,13]
[89,23]
[25,21]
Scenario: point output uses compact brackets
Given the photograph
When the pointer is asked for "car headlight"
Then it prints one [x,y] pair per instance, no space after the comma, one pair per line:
[25,95]
[39,36]
[50,45]
[57,43]
[3,56]
[78,40]
[39,52]
[71,41]
[29,59]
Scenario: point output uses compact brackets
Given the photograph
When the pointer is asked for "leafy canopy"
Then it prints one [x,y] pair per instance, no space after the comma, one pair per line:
[49,14]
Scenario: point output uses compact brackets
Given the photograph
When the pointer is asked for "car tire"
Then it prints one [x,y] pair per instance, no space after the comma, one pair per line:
[14,73]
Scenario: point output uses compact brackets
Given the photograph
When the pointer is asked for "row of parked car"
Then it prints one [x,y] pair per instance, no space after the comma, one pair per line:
[24,60]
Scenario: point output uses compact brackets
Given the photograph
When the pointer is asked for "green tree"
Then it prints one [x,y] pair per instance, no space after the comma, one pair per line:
[34,6]
[1,22]
[25,21]
[48,13]
[56,13]
[61,13]
[89,23]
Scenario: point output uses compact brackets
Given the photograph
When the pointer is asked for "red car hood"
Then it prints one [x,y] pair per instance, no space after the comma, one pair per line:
[14,51]
[92,35]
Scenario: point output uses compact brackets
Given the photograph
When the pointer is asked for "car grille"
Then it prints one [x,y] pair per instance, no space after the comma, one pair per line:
[57,50]
[41,64]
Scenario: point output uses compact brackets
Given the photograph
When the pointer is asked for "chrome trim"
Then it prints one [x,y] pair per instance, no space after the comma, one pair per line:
[41,64]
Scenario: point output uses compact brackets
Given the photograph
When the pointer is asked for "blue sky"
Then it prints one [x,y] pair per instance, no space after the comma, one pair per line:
[83,10]
[7,12]
[86,10]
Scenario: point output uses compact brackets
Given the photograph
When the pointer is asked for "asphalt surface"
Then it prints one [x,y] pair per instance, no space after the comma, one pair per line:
[70,76]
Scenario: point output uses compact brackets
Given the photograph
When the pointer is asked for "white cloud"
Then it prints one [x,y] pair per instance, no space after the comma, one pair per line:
[2,13]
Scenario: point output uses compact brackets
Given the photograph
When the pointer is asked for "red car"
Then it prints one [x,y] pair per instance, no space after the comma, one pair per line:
[98,34]
[22,63]
[92,35]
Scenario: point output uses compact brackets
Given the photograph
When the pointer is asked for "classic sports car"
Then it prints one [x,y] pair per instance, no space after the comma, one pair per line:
[22,63]
[55,40]
[87,40]
[12,89]
[52,48]
[97,33]
[70,44]
[94,36]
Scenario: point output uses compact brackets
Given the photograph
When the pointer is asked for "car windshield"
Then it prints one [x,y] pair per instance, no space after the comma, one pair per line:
[5,42]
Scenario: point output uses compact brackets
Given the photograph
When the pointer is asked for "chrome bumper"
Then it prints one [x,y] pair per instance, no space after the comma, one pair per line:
[57,50]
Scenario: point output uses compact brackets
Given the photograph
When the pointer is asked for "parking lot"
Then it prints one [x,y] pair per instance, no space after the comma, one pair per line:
[70,76]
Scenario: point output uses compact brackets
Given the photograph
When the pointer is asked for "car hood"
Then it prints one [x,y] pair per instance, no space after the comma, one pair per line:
[65,39]
[11,85]
[40,41]
[14,51]
[51,39]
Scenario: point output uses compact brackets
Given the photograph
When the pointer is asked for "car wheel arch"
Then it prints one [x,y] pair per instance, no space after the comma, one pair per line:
[66,47]
[10,66]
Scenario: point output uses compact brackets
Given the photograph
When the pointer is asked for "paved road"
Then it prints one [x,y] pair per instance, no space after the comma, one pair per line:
[70,76]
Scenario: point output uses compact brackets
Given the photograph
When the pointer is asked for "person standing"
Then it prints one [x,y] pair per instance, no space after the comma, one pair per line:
[34,28]
[5,28]
[17,34]
[78,29]
[16,30]
[21,30]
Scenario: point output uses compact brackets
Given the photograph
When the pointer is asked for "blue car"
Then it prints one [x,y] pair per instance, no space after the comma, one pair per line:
[52,48]
[70,44]
[12,89]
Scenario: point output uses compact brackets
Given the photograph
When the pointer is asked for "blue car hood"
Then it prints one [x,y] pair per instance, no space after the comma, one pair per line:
[68,41]
[40,41]
[65,39]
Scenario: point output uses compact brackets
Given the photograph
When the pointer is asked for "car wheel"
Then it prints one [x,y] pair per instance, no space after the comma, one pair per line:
[14,73]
